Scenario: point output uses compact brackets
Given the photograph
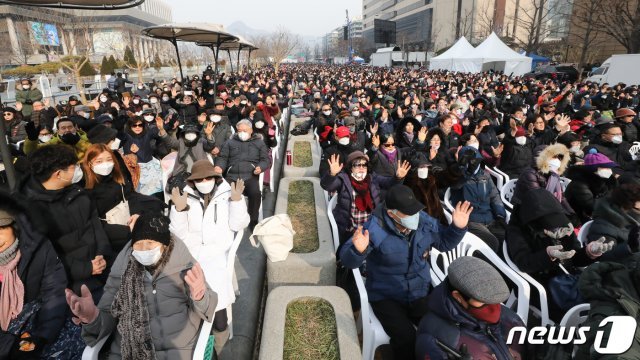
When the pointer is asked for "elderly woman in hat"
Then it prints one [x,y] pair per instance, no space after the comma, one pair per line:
[466,315]
[154,300]
[358,190]
[206,217]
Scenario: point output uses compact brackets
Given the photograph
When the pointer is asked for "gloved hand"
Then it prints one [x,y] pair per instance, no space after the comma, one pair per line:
[597,248]
[179,201]
[32,131]
[83,309]
[237,188]
[556,252]
[634,239]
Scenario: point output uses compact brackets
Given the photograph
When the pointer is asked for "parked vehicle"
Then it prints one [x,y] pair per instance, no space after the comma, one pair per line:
[555,72]
[618,68]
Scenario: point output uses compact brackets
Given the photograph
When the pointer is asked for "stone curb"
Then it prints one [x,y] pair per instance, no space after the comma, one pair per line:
[311,171]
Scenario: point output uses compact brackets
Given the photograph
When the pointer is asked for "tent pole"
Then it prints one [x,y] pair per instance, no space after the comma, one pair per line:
[175,44]
[230,61]
[249,60]
[238,62]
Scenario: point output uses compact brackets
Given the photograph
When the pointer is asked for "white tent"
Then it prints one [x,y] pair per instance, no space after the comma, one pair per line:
[493,54]
[445,61]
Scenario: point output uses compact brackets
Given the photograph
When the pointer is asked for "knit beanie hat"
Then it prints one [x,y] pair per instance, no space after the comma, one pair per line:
[152,227]
[597,160]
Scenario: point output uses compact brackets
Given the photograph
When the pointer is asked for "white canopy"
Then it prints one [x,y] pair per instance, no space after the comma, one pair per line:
[445,60]
[493,54]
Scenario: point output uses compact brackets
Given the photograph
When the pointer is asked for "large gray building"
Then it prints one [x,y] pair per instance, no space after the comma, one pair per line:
[413,18]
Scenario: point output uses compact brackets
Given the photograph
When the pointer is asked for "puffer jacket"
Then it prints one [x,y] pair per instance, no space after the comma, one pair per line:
[70,220]
[584,189]
[515,158]
[238,159]
[397,266]
[614,224]
[15,130]
[629,130]
[449,323]
[27,98]
[612,290]
[480,191]
[342,184]
[618,153]
[174,318]
[80,147]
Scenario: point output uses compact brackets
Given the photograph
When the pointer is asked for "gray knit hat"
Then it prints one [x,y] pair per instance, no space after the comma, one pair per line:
[476,279]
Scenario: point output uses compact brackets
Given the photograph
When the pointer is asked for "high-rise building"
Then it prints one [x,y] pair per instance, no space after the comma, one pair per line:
[37,35]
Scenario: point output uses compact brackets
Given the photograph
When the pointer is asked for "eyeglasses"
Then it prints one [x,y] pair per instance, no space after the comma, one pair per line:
[388,145]
[137,125]
[360,165]
[7,114]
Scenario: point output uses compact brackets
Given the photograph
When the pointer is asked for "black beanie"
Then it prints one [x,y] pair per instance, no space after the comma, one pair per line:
[151,227]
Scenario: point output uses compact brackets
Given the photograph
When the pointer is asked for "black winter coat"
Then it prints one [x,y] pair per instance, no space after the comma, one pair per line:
[238,159]
[614,224]
[515,158]
[584,189]
[70,219]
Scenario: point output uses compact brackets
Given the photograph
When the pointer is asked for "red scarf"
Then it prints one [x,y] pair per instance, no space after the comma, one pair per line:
[363,195]
[489,313]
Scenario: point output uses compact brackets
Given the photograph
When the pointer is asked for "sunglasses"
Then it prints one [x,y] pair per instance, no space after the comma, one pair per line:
[360,165]
[388,145]
[208,178]
[7,114]
[137,125]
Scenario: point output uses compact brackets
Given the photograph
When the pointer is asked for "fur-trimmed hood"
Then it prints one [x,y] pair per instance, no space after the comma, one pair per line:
[549,153]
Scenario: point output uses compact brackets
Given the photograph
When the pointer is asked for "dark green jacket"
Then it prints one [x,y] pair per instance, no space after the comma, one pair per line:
[612,289]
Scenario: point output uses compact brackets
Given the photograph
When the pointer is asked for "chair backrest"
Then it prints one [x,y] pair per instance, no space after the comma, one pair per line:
[496,175]
[332,221]
[506,193]
[447,200]
[576,316]
[584,231]
[470,244]
[564,182]
[167,165]
[505,177]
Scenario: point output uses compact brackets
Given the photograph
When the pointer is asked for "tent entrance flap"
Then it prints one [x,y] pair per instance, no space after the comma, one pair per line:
[494,65]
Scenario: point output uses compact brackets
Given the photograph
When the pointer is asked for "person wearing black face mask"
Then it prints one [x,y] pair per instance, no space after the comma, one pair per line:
[68,134]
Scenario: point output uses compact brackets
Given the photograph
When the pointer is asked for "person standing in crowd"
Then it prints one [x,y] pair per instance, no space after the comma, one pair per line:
[397,286]
[120,84]
[26,95]
[155,299]
[245,156]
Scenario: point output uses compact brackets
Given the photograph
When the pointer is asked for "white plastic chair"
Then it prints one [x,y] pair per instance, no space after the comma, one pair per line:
[506,193]
[261,186]
[499,178]
[575,317]
[584,230]
[373,335]
[274,156]
[564,182]
[447,200]
[467,246]
[167,165]
[543,312]
[332,221]
[231,273]
[505,177]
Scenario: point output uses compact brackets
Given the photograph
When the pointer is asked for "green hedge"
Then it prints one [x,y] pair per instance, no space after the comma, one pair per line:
[310,331]
[301,207]
[302,154]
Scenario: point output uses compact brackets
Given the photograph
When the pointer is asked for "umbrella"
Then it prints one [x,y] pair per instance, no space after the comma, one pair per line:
[240,44]
[77,4]
[190,32]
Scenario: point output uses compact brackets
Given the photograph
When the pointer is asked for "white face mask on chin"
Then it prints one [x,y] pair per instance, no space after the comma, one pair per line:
[359,176]
[148,257]
[423,172]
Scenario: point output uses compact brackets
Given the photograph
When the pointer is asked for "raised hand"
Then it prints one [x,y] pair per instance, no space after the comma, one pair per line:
[132,221]
[374,128]
[125,101]
[196,282]
[562,121]
[403,169]
[422,134]
[375,141]
[179,199]
[497,152]
[598,247]
[334,164]
[360,239]
[202,102]
[18,106]
[208,130]
[460,217]
[237,188]
[83,308]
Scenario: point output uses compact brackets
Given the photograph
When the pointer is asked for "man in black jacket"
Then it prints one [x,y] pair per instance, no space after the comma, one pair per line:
[245,156]
[120,84]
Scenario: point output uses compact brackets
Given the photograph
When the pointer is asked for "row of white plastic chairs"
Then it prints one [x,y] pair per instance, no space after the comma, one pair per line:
[374,335]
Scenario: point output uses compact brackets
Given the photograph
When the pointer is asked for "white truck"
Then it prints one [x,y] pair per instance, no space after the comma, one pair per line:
[618,69]
[387,57]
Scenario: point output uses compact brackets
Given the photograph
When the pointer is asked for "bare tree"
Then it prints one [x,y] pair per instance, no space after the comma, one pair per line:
[485,20]
[262,53]
[282,43]
[538,22]
[584,33]
[620,19]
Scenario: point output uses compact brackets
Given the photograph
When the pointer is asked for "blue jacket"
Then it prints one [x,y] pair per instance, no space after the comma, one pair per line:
[449,323]
[397,266]
[480,191]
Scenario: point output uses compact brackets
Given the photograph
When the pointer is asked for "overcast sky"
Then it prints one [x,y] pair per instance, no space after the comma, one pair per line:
[301,17]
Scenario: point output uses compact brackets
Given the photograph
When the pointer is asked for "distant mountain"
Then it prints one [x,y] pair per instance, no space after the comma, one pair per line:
[242,29]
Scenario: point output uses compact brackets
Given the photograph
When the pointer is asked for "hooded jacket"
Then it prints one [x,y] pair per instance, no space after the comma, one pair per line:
[397,266]
[618,153]
[614,224]
[80,147]
[238,159]
[612,290]
[70,220]
[174,318]
[480,191]
[449,323]
[584,189]
[41,273]
[515,158]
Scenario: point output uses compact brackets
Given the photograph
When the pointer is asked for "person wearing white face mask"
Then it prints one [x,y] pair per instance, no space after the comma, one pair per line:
[611,144]
[517,153]
[27,94]
[155,299]
[206,217]
[68,215]
[589,182]
[423,183]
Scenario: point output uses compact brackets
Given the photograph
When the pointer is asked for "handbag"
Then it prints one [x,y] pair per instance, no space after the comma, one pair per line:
[275,233]
[120,213]
[564,290]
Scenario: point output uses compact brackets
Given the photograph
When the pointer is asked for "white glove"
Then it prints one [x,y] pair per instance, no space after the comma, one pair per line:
[597,248]
[557,253]
[635,151]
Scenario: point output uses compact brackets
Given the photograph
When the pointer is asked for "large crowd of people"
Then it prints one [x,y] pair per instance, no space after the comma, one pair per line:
[127,205]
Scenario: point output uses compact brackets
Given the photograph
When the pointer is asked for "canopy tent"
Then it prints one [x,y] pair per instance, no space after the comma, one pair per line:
[357,59]
[537,60]
[212,34]
[495,55]
[239,45]
[77,4]
[445,60]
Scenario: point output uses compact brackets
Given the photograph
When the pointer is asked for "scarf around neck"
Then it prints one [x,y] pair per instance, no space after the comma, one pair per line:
[363,199]
[390,155]
[12,293]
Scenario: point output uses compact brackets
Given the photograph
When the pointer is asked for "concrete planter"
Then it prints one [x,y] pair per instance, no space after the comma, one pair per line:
[271,346]
[311,171]
[315,268]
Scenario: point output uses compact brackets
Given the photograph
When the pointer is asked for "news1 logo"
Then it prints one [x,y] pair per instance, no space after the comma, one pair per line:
[621,333]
